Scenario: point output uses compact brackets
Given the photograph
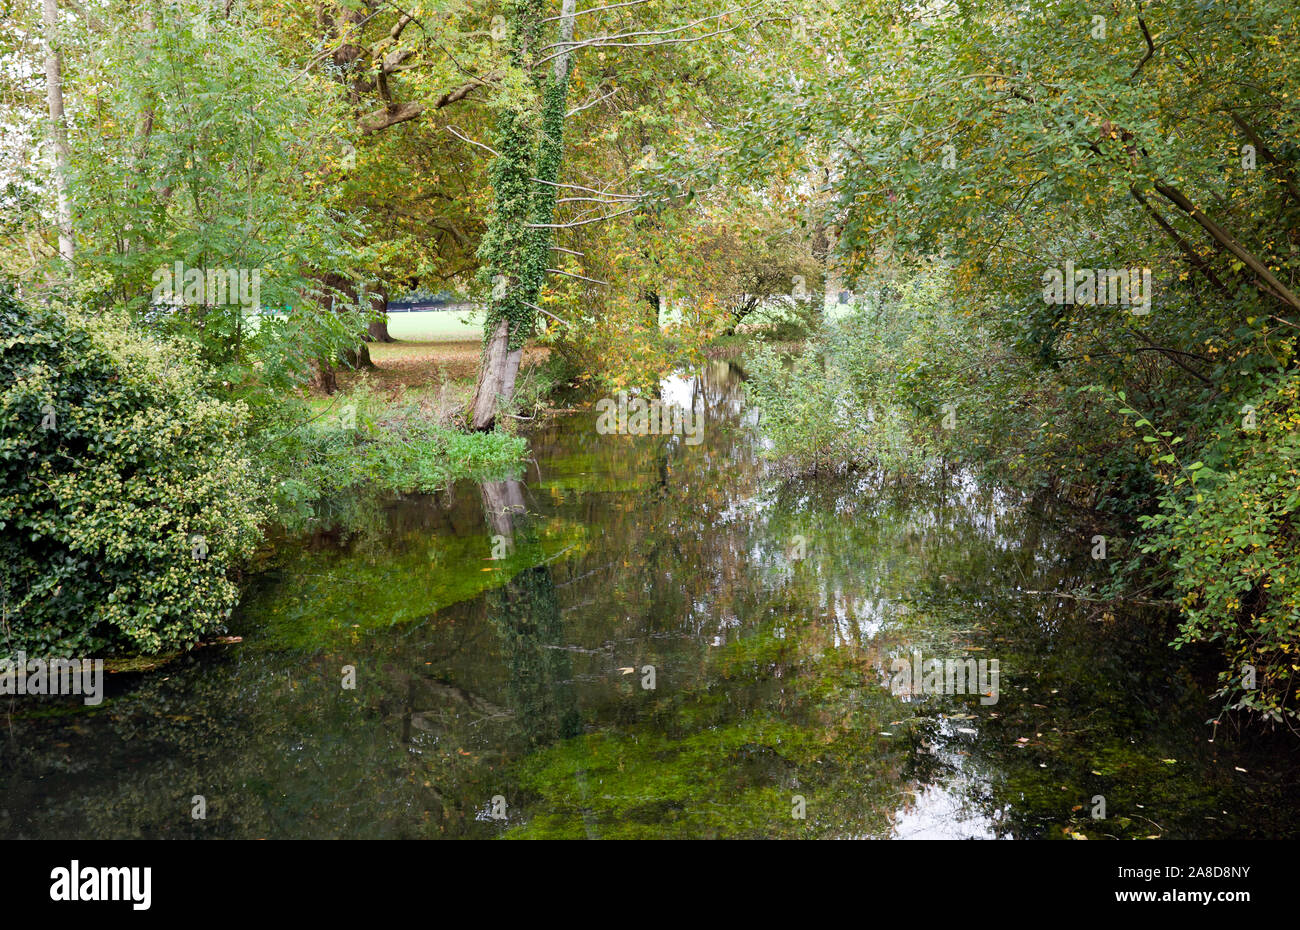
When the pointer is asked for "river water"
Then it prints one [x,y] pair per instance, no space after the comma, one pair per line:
[639,637]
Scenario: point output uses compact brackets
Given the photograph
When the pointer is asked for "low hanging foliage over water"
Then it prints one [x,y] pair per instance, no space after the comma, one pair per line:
[561,419]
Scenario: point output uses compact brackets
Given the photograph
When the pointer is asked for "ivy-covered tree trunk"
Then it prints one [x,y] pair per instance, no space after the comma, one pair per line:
[515,250]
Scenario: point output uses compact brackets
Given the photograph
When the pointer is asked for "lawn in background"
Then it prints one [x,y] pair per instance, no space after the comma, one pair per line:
[437,325]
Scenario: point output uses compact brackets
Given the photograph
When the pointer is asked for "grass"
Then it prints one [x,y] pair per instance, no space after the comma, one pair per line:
[437,326]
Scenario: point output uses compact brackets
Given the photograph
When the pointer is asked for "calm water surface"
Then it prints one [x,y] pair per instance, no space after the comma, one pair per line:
[508,696]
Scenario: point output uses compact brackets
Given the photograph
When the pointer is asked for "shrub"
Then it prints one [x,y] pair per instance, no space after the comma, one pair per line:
[126,492]
[809,422]
[847,400]
[1227,525]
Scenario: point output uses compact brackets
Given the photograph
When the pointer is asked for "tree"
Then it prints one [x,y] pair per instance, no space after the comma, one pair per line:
[515,251]
[58,126]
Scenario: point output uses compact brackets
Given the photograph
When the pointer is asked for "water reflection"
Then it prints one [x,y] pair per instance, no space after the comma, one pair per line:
[499,632]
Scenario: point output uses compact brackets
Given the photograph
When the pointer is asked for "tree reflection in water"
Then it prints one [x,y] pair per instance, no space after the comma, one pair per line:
[481,676]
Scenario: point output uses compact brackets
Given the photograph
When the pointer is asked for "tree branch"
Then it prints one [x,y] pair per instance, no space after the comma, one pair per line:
[1224,239]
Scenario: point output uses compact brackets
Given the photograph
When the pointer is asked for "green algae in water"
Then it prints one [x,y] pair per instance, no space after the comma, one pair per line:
[326,597]
[771,661]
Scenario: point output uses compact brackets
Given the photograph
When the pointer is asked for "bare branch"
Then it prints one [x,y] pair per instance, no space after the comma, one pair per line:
[612,203]
[390,116]
[598,9]
[547,312]
[471,141]
[1151,47]
[595,219]
[569,274]
[393,114]
[578,187]
[699,38]
[590,104]
[649,32]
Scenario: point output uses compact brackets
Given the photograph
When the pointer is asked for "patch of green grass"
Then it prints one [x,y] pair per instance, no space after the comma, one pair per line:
[437,325]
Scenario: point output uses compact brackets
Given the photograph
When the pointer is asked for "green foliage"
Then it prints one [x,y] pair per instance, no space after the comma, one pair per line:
[1010,140]
[117,469]
[386,579]
[515,251]
[851,399]
[320,452]
[1227,526]
[191,148]
[812,425]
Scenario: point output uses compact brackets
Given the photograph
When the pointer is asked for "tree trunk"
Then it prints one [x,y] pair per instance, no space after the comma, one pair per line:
[503,505]
[525,612]
[324,378]
[516,248]
[377,329]
[1268,282]
[1193,257]
[358,358]
[59,127]
[496,377]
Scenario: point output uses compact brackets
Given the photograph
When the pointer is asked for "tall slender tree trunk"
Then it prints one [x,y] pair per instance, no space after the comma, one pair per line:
[144,121]
[516,247]
[59,127]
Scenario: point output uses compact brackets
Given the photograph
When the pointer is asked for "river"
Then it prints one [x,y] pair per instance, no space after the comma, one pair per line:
[639,637]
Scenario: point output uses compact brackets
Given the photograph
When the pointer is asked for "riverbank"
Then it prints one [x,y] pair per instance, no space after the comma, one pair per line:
[662,640]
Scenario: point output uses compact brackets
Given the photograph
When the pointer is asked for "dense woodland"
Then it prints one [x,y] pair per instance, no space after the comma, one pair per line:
[624,189]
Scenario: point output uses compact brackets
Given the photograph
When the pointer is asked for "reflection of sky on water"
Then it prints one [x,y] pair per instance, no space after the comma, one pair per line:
[770,610]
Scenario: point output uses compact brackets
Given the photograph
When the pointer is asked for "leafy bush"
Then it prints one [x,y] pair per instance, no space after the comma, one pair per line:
[849,399]
[810,424]
[127,496]
[1227,525]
